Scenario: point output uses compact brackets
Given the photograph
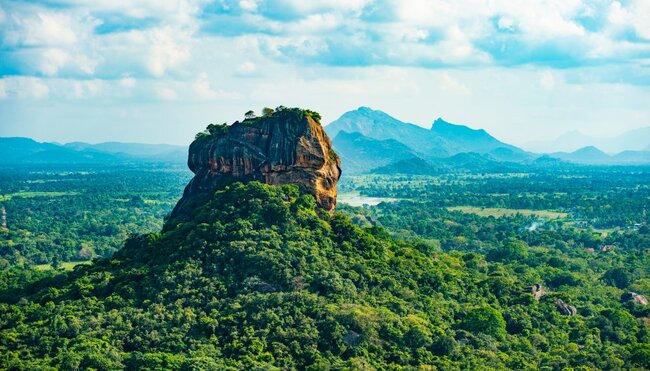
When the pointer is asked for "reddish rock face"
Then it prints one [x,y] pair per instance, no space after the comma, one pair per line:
[287,147]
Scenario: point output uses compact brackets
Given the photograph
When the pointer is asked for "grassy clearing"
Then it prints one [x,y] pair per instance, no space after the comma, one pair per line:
[498,212]
[68,266]
[25,194]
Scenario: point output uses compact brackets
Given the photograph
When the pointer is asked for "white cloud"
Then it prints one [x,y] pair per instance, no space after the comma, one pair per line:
[203,89]
[506,23]
[166,93]
[547,80]
[51,61]
[86,89]
[634,16]
[165,51]
[414,35]
[3,89]
[315,23]
[33,27]
[127,82]
[248,5]
[33,87]
[178,12]
[320,6]
[246,69]
[327,56]
[448,83]
[24,87]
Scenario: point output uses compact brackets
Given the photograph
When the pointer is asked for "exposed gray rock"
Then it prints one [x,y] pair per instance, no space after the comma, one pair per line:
[537,291]
[633,296]
[565,309]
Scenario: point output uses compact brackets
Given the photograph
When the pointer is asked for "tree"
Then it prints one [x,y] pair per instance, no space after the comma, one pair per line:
[617,277]
[486,320]
[216,130]
[249,115]
[512,251]
[266,111]
[56,262]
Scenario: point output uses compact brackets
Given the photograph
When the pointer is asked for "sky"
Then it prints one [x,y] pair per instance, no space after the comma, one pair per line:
[159,71]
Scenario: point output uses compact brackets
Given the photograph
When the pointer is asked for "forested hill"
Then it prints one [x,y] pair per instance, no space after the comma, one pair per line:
[258,279]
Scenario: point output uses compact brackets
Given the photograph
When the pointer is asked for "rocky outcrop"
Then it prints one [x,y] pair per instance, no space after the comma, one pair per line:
[286,146]
[636,298]
[537,291]
[565,309]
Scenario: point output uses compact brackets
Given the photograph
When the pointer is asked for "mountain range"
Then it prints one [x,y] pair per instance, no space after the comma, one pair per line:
[591,155]
[28,151]
[633,140]
[443,139]
[369,140]
[372,141]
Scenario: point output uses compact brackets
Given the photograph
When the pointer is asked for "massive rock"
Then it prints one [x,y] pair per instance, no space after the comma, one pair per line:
[286,146]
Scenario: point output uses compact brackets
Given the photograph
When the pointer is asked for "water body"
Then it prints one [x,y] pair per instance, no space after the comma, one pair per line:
[355,199]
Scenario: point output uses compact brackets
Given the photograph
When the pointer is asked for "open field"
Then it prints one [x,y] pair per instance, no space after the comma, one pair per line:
[25,194]
[499,212]
[68,266]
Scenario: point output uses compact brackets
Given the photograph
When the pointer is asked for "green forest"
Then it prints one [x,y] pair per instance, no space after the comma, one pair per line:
[329,185]
[258,278]
[71,214]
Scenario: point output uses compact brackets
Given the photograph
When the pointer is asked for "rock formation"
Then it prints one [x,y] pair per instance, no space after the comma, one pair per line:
[537,291]
[287,145]
[565,309]
[636,298]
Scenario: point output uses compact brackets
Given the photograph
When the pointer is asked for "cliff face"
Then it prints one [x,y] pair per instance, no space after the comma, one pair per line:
[288,146]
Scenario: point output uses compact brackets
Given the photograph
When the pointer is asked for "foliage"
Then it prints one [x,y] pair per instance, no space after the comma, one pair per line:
[256,279]
[78,213]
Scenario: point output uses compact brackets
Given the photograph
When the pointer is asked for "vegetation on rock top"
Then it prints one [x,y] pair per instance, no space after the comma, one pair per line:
[280,112]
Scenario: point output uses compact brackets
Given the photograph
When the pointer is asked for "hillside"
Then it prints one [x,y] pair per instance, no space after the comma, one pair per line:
[256,279]
[157,152]
[360,153]
[411,166]
[378,125]
[469,140]
[586,155]
[255,270]
[27,151]
[18,151]
[369,139]
[633,140]
[594,156]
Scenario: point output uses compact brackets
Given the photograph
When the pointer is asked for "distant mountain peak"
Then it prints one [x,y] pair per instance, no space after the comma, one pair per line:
[365,109]
[376,117]
[440,123]
[589,149]
[443,139]
[635,140]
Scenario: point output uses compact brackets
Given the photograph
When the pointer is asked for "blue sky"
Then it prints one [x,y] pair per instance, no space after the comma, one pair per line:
[159,71]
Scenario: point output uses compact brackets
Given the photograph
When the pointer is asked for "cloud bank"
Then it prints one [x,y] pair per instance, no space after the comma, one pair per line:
[228,51]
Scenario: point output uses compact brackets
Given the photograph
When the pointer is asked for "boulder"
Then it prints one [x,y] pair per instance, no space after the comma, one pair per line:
[537,291]
[565,309]
[636,298]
